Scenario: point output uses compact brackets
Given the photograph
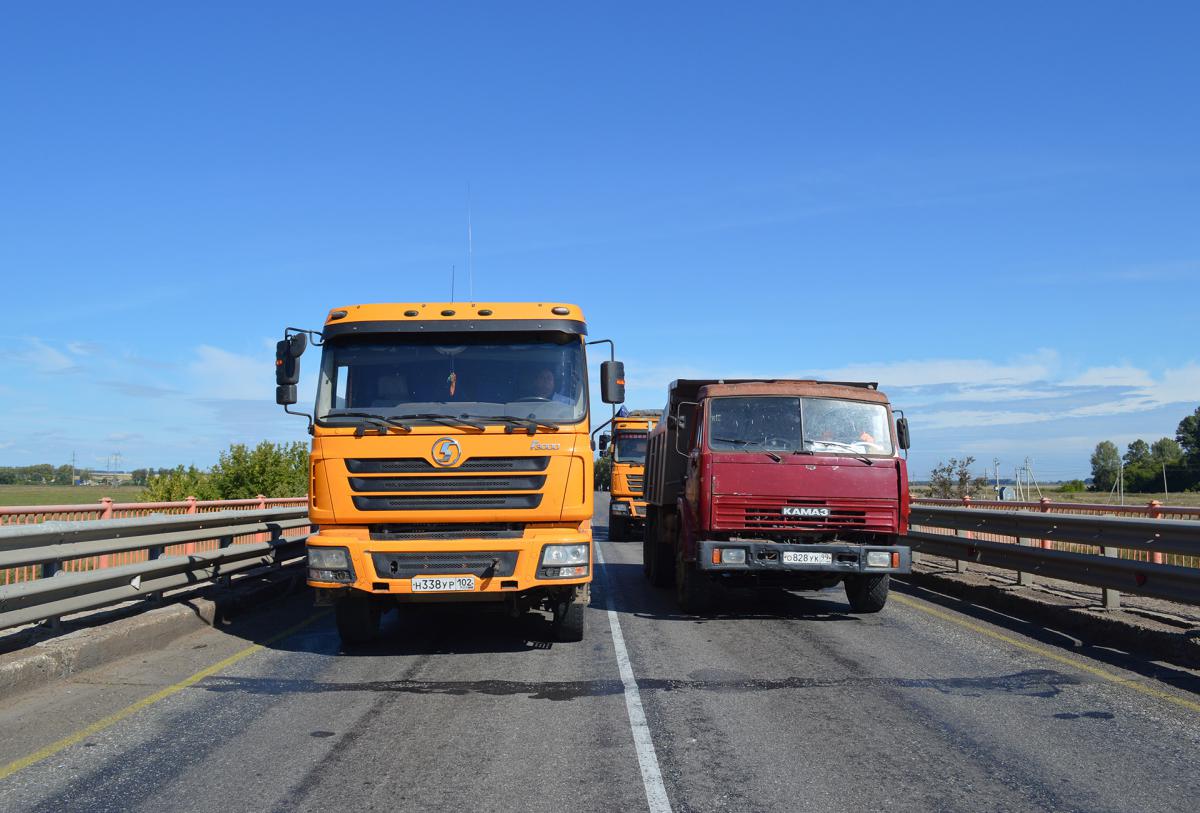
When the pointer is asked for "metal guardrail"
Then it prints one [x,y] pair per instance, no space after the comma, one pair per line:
[52,544]
[1106,568]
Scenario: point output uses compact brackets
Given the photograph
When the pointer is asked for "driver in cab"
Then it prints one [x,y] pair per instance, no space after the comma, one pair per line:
[544,387]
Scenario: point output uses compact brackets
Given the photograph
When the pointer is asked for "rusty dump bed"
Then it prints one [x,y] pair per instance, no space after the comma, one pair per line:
[808,389]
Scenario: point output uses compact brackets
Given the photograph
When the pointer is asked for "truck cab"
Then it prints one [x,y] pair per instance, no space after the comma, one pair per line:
[450,458]
[777,484]
[626,447]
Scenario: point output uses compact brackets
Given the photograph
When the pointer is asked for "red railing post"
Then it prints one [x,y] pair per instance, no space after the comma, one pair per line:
[106,512]
[1044,502]
[262,506]
[1155,511]
[190,548]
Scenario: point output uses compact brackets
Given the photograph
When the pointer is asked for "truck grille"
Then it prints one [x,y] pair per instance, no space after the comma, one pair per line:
[636,482]
[514,483]
[447,530]
[766,514]
[456,502]
[418,465]
[480,563]
[518,483]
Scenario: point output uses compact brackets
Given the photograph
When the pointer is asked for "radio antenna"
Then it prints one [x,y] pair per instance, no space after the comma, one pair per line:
[451,283]
[470,250]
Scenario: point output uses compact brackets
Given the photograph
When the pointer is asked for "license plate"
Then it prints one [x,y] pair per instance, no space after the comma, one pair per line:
[443,584]
[806,557]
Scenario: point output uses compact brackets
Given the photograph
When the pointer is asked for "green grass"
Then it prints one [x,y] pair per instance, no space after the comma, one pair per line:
[66,495]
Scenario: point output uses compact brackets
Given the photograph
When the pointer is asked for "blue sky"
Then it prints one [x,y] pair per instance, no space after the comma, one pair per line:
[995,212]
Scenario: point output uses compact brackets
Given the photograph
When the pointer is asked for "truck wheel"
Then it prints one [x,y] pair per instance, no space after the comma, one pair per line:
[618,528]
[357,619]
[867,594]
[568,621]
[693,590]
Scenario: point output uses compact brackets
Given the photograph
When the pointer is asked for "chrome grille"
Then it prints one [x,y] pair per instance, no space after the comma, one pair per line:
[447,530]
[456,502]
[418,465]
[518,483]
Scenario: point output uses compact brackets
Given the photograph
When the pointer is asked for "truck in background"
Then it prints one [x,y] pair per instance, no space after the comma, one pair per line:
[626,447]
[451,459]
[776,484]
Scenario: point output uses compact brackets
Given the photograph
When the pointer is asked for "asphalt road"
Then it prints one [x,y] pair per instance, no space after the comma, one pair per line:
[778,703]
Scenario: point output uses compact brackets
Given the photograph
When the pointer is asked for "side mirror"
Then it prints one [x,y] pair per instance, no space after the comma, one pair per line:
[902,432]
[604,441]
[287,368]
[612,382]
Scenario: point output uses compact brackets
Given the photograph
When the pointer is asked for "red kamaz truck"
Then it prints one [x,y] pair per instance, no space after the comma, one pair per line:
[776,484]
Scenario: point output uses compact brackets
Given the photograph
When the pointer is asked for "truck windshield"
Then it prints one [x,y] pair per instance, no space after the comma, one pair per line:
[629,447]
[540,376]
[781,424]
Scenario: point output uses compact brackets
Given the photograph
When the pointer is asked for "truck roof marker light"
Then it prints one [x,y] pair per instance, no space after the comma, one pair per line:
[338,314]
[485,312]
[560,310]
[447,312]
[412,313]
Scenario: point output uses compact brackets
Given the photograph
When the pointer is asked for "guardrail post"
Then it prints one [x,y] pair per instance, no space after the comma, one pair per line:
[960,565]
[1112,598]
[262,506]
[222,543]
[190,547]
[153,553]
[1155,512]
[49,569]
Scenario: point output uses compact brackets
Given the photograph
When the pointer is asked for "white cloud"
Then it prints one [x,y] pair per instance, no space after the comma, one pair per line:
[1123,376]
[1039,366]
[45,358]
[220,374]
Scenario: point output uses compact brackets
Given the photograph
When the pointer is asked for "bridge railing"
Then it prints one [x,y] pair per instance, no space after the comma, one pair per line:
[1114,553]
[106,509]
[171,551]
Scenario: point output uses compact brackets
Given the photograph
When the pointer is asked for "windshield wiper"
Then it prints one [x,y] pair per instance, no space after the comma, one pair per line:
[381,421]
[758,443]
[530,425]
[448,420]
[857,455]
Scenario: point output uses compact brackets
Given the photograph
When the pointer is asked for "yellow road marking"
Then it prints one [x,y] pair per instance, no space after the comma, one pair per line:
[112,719]
[1046,652]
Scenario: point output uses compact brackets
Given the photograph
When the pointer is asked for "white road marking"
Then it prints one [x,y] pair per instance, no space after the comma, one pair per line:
[656,793]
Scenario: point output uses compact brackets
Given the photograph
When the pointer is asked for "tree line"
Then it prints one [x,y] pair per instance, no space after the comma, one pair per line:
[1167,464]
[241,472]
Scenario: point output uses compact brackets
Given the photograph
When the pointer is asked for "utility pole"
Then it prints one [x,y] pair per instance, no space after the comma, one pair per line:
[996,468]
[1121,479]
[1165,492]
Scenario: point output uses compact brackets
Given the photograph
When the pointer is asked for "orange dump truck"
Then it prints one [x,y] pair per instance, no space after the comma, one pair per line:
[626,447]
[450,458]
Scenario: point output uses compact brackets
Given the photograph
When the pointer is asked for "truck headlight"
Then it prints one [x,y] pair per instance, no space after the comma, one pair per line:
[620,508]
[561,555]
[879,558]
[329,564]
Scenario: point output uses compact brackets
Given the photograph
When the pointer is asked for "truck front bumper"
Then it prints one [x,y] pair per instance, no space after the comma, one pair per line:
[831,558]
[499,567]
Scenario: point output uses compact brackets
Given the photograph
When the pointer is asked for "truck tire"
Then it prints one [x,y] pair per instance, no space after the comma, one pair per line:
[618,528]
[693,589]
[357,619]
[657,557]
[568,621]
[867,594]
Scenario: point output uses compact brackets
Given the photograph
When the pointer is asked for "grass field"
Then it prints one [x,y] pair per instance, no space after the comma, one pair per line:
[66,495]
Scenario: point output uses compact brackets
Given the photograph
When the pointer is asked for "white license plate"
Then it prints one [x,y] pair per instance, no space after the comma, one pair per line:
[443,584]
[806,557]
